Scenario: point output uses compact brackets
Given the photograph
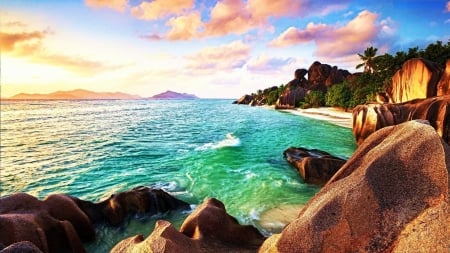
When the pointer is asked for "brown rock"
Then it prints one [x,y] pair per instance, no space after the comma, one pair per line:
[208,229]
[138,200]
[391,196]
[21,247]
[244,100]
[315,166]
[417,78]
[25,218]
[443,87]
[369,118]
[164,238]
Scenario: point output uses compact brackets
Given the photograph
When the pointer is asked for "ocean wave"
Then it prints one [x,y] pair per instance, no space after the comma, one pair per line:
[229,141]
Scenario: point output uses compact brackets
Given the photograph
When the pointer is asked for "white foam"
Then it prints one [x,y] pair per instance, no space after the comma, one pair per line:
[229,141]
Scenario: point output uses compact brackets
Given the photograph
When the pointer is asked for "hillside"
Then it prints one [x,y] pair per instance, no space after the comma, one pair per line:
[75,94]
[174,95]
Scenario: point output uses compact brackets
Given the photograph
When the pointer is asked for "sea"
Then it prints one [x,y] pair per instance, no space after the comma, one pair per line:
[193,149]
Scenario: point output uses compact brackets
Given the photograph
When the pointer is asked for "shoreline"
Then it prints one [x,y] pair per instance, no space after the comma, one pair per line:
[332,115]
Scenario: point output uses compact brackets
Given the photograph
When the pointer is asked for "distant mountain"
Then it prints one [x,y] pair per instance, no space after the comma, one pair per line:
[76,94]
[174,95]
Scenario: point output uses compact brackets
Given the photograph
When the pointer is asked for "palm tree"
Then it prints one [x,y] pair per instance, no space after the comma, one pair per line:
[367,58]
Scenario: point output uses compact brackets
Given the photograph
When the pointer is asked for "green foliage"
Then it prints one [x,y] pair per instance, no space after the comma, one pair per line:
[338,95]
[315,98]
[272,97]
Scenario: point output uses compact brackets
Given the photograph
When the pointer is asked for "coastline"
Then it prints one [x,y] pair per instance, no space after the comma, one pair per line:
[332,115]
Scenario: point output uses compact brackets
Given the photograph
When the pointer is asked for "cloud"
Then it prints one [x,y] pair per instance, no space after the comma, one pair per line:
[160,8]
[334,40]
[221,58]
[30,45]
[184,27]
[265,64]
[230,16]
[24,43]
[119,5]
[448,6]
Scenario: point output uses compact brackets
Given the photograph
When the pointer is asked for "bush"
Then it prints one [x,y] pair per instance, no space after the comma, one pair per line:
[338,95]
[272,97]
[315,98]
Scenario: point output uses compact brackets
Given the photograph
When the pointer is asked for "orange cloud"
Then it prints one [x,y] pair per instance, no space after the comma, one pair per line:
[160,8]
[230,16]
[266,8]
[333,40]
[224,57]
[119,5]
[184,27]
[25,43]
[448,6]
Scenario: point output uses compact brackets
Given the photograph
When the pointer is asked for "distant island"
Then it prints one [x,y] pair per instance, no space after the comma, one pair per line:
[174,95]
[75,95]
[86,94]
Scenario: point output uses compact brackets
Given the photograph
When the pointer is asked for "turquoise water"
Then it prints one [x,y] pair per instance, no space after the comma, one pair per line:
[193,149]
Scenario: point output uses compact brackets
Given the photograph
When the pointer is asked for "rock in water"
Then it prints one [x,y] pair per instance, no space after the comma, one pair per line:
[208,229]
[417,78]
[314,166]
[391,196]
[369,118]
[21,247]
[143,200]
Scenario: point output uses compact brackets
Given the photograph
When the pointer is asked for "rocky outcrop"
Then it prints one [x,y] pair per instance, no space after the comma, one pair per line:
[208,229]
[53,225]
[391,196]
[314,166]
[369,118]
[417,78]
[143,200]
[21,247]
[61,223]
[244,100]
[443,87]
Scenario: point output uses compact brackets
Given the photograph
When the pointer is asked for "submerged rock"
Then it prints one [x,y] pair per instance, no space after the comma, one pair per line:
[369,118]
[315,166]
[208,229]
[391,196]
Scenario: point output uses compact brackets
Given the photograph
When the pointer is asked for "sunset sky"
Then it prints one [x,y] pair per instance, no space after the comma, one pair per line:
[214,49]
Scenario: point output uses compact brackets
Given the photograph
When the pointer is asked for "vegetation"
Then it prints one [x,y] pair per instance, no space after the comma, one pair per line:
[362,87]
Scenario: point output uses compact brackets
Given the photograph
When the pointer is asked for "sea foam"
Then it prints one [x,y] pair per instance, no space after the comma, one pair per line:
[229,141]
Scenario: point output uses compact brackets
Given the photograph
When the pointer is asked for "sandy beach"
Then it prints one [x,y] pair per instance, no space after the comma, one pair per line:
[330,114]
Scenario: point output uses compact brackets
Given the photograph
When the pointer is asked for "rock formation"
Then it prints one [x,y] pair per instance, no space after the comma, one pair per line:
[369,118]
[443,87]
[60,223]
[47,224]
[208,229]
[417,78]
[391,196]
[141,199]
[244,100]
[314,166]
[21,247]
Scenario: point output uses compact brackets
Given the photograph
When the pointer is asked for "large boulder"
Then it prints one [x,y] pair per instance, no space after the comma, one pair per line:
[443,87]
[48,224]
[21,247]
[391,196]
[314,166]
[208,229]
[244,100]
[143,200]
[294,92]
[417,78]
[369,118]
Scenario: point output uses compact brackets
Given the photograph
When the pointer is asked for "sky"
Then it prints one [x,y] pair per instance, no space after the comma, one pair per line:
[213,49]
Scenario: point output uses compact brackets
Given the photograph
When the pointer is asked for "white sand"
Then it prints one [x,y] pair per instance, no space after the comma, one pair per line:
[330,114]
